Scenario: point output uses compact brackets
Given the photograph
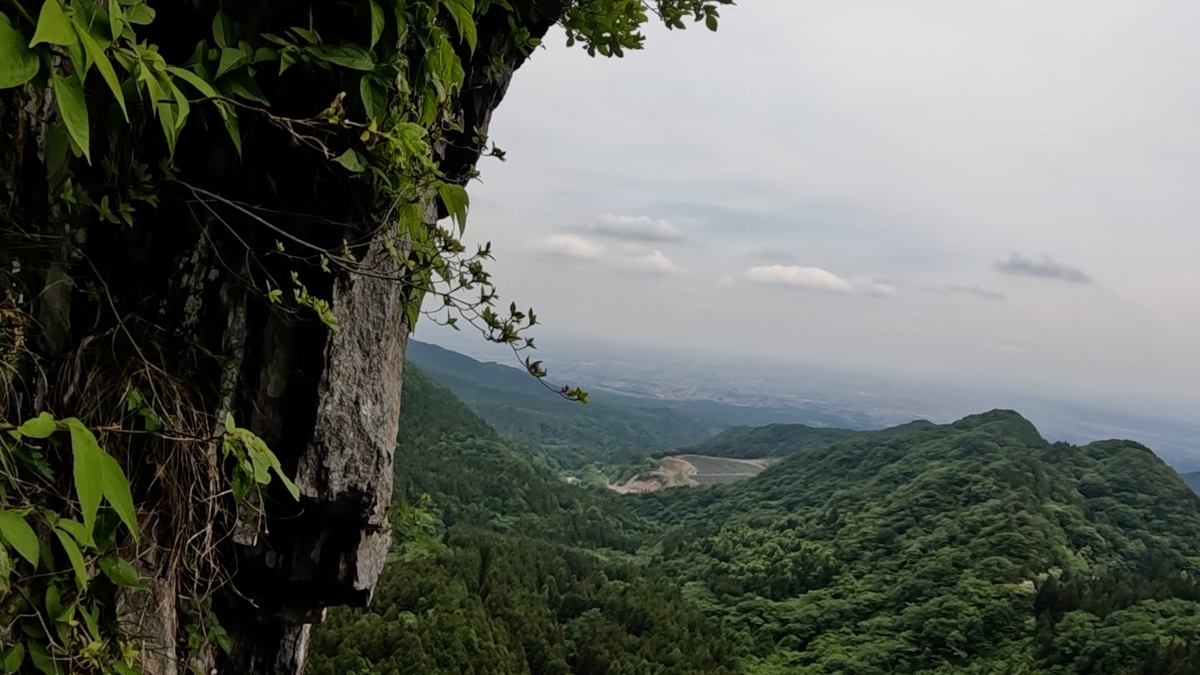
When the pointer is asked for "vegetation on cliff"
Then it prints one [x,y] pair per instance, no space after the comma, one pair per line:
[522,572]
[218,223]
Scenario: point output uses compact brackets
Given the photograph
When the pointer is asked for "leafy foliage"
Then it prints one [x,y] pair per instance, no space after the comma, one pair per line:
[772,440]
[476,478]
[155,141]
[49,613]
[253,461]
[975,547]
[972,547]
[524,577]
[565,436]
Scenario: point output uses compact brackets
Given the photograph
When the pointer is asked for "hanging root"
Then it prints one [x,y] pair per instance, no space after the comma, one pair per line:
[151,422]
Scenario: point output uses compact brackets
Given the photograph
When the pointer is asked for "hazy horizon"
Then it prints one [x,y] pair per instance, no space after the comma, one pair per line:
[997,196]
[878,400]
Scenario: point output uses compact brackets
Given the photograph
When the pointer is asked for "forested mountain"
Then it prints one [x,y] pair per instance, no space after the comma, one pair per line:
[479,479]
[973,547]
[524,574]
[772,440]
[611,429]
[566,434]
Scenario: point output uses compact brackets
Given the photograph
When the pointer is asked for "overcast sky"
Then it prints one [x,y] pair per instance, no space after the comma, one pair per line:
[1004,192]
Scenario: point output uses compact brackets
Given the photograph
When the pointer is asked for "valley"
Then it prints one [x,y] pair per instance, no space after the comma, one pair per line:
[971,547]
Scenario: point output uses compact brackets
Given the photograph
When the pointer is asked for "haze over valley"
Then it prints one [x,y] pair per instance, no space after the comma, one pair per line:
[772,391]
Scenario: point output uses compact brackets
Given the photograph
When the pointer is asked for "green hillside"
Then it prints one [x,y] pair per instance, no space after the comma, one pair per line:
[975,547]
[506,569]
[566,434]
[772,440]
[611,430]
[477,478]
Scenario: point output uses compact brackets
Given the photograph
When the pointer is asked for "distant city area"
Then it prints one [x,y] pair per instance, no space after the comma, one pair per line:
[838,398]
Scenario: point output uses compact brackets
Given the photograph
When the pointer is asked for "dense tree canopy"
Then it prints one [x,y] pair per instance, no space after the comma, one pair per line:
[527,573]
[976,547]
[972,547]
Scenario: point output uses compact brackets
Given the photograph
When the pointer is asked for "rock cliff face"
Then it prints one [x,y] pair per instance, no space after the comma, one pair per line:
[166,306]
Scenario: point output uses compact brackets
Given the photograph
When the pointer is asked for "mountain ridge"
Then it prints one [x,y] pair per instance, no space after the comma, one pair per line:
[969,547]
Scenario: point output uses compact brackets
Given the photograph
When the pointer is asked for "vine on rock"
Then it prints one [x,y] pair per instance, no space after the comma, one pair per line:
[185,190]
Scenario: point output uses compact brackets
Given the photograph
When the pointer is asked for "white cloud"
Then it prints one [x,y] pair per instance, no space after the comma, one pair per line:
[571,246]
[651,263]
[851,138]
[629,257]
[815,278]
[643,228]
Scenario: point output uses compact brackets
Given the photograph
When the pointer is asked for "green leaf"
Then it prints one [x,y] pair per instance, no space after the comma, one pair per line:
[309,36]
[75,529]
[68,93]
[92,17]
[42,660]
[97,474]
[88,470]
[182,107]
[347,56]
[351,160]
[245,86]
[117,492]
[18,64]
[287,482]
[224,32]
[39,427]
[19,535]
[120,572]
[13,658]
[75,556]
[456,200]
[140,14]
[116,19]
[711,22]
[166,119]
[149,79]
[231,59]
[227,112]
[96,54]
[53,27]
[377,23]
[462,10]
[90,620]
[374,97]
[195,80]
[261,462]
[287,58]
